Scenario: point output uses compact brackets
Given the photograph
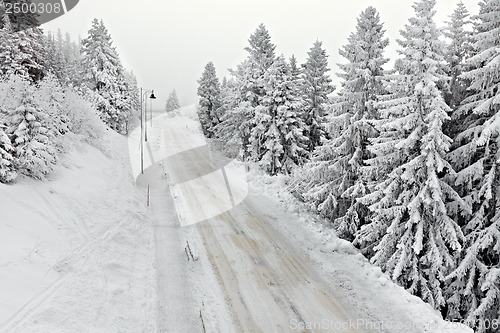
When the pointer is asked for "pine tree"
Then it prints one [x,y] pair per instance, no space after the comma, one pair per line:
[56,63]
[73,55]
[235,113]
[296,73]
[260,58]
[22,52]
[104,79]
[209,93]
[133,93]
[419,239]
[7,168]
[49,96]
[250,76]
[317,87]
[334,173]
[475,287]
[30,54]
[7,49]
[277,141]
[458,50]
[30,139]
[23,19]
[172,102]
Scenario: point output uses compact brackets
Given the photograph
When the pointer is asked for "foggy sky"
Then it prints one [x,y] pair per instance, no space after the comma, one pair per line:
[167,43]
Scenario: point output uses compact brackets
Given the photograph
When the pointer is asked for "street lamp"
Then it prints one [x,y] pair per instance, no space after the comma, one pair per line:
[144,127]
[151,105]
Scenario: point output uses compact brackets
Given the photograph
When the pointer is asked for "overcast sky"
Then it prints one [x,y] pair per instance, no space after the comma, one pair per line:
[167,43]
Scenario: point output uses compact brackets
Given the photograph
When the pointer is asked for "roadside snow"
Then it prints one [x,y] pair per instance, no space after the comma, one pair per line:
[389,307]
[77,251]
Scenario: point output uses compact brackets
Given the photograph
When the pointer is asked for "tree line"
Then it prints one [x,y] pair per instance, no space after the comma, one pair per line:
[52,87]
[404,162]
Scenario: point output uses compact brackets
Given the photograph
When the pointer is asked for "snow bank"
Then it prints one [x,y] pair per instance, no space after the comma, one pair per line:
[371,292]
[77,251]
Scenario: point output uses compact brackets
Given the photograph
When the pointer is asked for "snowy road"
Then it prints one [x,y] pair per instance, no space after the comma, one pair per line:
[268,285]
[260,268]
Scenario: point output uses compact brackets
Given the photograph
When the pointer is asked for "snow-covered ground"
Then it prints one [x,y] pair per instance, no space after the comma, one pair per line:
[83,253]
[77,251]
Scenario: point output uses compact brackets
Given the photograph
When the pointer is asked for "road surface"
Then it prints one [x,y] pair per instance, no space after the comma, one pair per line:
[269,285]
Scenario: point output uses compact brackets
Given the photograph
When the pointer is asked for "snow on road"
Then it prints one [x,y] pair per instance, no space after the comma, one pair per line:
[275,270]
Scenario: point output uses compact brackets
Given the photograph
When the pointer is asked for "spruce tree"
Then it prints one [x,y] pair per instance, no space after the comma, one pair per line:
[419,239]
[457,51]
[235,113]
[21,53]
[133,93]
[475,287]
[104,79]
[55,63]
[335,171]
[260,58]
[7,50]
[30,139]
[7,158]
[50,96]
[172,102]
[250,76]
[317,86]
[23,19]
[209,103]
[277,141]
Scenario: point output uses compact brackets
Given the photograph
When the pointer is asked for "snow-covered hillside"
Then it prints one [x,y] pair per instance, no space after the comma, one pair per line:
[77,251]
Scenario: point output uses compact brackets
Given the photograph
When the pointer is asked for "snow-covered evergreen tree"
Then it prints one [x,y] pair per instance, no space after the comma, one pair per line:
[21,52]
[295,72]
[235,112]
[277,140]
[73,56]
[55,63]
[244,92]
[104,78]
[209,103]
[7,49]
[250,76]
[20,19]
[475,287]
[173,102]
[317,86]
[133,93]
[334,178]
[7,167]
[49,96]
[419,239]
[260,58]
[30,139]
[457,51]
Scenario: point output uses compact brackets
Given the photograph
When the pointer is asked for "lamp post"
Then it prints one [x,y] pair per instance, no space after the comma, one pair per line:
[152,96]
[151,105]
[144,127]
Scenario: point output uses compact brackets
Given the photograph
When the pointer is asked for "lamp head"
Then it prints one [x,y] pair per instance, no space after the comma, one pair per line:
[152,95]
